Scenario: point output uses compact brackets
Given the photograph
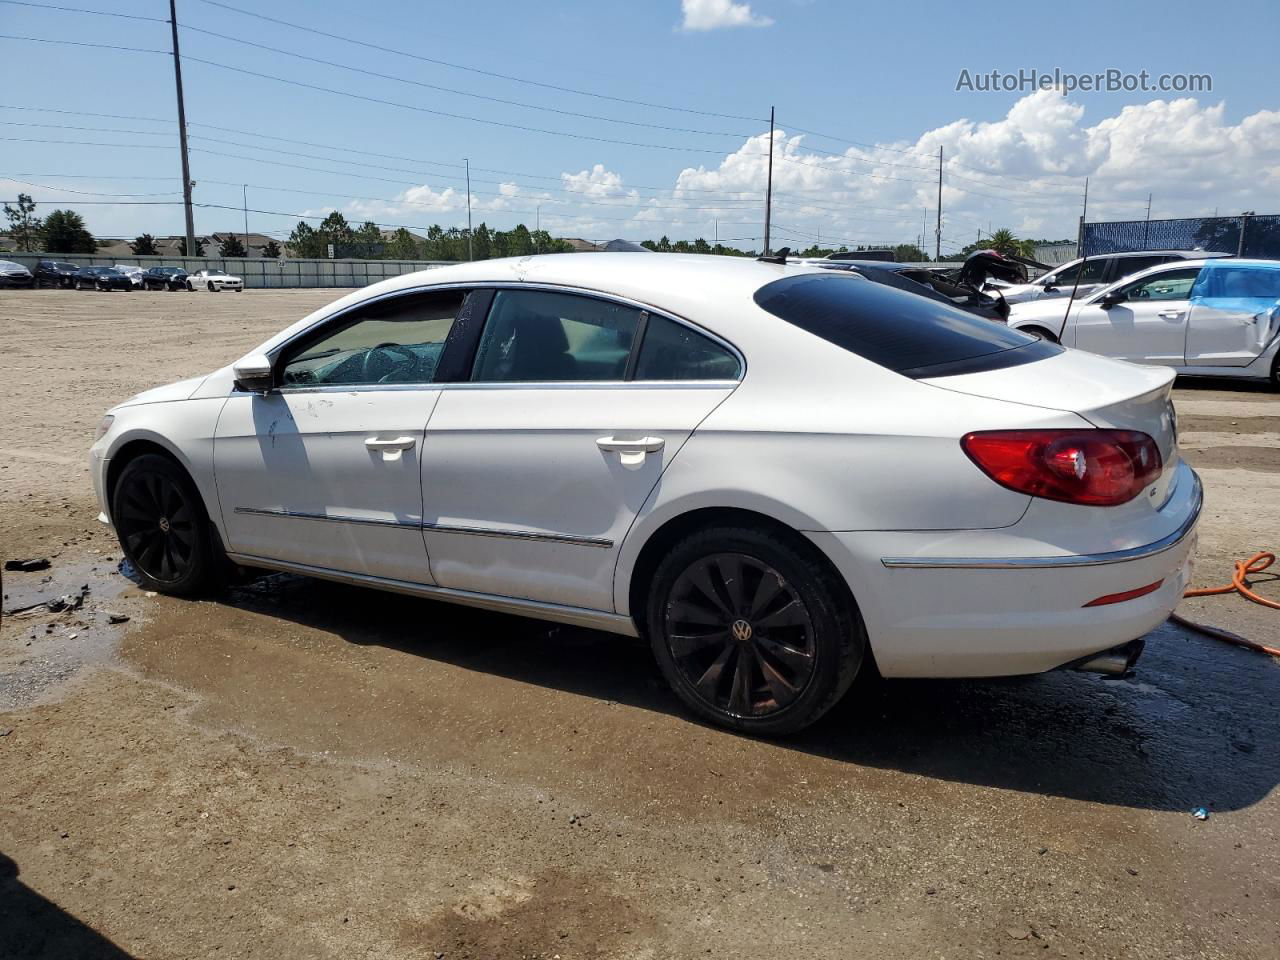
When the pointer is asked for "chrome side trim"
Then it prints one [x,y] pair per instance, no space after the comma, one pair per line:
[1074,560]
[560,613]
[519,535]
[435,527]
[335,518]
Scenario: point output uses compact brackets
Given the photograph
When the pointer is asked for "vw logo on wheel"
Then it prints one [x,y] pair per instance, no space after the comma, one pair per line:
[741,631]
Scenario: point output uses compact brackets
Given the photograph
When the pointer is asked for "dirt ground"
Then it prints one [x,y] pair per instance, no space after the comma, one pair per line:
[307,770]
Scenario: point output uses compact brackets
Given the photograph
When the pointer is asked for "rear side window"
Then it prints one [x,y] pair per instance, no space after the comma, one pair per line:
[672,351]
[907,333]
[539,336]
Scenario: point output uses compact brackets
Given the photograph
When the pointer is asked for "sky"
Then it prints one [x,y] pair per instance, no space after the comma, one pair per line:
[602,119]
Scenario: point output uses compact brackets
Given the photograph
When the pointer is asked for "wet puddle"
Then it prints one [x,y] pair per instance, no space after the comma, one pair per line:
[60,620]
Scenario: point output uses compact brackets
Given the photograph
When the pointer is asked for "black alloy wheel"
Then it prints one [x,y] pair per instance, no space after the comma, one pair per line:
[162,525]
[753,629]
[740,635]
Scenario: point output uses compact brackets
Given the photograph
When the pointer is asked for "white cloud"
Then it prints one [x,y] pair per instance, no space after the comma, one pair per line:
[715,14]
[1024,171]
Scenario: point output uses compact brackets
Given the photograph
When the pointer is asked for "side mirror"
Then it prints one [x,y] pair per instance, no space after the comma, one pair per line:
[1050,287]
[254,373]
[1109,300]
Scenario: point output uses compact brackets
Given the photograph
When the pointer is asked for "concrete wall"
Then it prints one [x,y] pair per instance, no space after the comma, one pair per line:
[257,273]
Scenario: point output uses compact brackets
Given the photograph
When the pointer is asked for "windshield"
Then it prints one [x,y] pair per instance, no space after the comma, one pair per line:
[214,273]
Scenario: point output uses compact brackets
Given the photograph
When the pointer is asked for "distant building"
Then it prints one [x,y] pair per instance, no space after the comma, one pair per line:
[172,246]
[583,246]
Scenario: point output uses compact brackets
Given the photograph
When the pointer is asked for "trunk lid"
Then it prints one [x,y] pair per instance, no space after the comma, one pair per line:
[1107,393]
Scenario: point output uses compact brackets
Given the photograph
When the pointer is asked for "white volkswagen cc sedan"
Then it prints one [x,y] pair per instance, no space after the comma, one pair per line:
[776,474]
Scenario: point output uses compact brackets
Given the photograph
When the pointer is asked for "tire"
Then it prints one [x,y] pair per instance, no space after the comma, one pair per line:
[212,288]
[777,645]
[190,288]
[1275,372]
[163,527]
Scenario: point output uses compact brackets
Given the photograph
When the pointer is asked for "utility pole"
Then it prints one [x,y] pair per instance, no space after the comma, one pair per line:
[1146,227]
[717,231]
[937,241]
[768,190]
[537,218]
[471,255]
[182,133]
[244,193]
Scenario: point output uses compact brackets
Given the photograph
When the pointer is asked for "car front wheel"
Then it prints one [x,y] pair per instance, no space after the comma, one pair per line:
[162,525]
[752,630]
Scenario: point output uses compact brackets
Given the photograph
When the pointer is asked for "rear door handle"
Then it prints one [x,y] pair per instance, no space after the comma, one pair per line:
[391,449]
[1171,314]
[632,451]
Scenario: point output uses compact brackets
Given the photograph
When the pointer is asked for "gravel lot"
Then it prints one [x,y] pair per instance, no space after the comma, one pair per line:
[306,770]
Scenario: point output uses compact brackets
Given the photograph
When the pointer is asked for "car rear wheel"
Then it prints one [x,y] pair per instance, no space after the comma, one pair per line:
[752,630]
[163,527]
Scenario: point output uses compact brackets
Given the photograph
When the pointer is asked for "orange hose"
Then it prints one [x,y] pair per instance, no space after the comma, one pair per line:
[1239,584]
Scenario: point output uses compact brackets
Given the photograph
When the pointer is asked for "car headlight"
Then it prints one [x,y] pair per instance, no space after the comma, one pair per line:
[103,426]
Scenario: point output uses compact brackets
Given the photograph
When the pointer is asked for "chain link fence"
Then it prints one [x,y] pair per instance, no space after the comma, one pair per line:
[257,273]
[1245,236]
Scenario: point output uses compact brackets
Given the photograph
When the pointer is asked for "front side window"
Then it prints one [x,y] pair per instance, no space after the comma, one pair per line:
[539,336]
[395,341]
[1173,285]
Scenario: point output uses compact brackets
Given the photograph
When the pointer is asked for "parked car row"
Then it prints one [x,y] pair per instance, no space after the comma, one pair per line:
[60,273]
[1210,317]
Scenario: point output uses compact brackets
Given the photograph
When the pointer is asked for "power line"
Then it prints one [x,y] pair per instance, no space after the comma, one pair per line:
[98,13]
[461,93]
[478,70]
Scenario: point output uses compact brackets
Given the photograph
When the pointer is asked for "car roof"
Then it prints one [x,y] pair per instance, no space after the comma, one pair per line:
[1183,254]
[688,285]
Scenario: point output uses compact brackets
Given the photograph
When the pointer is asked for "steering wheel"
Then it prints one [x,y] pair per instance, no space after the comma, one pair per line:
[367,372]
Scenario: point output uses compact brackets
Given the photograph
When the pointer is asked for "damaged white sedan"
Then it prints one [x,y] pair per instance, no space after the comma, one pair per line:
[776,474]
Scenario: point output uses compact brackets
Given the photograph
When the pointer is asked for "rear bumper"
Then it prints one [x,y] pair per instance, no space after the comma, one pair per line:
[931,613]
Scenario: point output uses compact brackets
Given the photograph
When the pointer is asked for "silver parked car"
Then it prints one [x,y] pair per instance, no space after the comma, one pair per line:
[1100,271]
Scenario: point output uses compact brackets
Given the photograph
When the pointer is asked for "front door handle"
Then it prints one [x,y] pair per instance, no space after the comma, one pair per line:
[391,449]
[1171,314]
[632,451]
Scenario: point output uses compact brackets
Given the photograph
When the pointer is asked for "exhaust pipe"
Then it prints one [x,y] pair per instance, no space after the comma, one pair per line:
[1116,662]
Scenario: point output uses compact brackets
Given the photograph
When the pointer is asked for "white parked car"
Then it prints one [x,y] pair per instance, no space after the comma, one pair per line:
[1217,318]
[214,281]
[774,473]
[1098,272]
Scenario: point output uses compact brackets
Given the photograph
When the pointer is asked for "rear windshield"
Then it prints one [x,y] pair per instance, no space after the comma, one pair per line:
[910,334]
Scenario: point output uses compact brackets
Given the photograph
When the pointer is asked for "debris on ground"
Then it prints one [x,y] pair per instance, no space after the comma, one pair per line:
[1200,813]
[28,564]
[117,617]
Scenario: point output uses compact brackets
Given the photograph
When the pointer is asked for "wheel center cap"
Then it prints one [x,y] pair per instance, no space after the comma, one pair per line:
[741,631]
[164,524]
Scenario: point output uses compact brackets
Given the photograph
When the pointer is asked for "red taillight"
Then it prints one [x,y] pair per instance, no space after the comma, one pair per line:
[1097,468]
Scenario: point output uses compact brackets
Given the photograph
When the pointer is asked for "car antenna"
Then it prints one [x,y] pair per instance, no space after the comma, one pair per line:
[1074,287]
[779,257]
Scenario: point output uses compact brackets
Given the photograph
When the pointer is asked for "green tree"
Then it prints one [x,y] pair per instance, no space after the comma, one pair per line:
[144,246]
[65,232]
[909,253]
[272,250]
[24,225]
[306,243]
[232,247]
[402,246]
[182,247]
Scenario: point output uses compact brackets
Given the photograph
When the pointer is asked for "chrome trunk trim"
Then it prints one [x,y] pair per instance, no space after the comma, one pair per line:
[1072,560]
